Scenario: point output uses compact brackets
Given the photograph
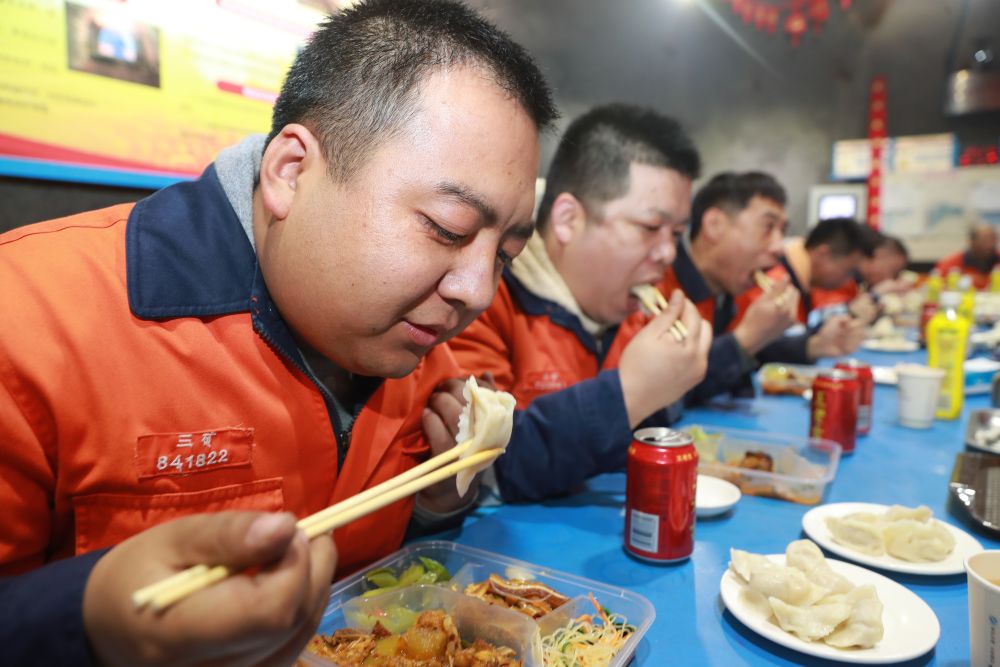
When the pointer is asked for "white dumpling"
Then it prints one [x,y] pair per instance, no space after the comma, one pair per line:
[863,628]
[897,512]
[803,555]
[486,422]
[867,517]
[812,622]
[806,557]
[857,532]
[772,580]
[743,562]
[883,328]
[918,542]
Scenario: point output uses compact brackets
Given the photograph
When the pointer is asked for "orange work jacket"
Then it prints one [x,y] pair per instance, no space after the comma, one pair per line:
[144,376]
[961,261]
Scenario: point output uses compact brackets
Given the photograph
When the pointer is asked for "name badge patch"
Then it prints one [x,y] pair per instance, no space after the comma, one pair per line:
[167,454]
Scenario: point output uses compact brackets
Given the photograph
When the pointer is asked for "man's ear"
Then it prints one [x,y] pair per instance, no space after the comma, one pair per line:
[713,222]
[567,218]
[294,150]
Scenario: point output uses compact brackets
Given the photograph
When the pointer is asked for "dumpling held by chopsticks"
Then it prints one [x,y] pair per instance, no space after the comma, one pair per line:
[485,423]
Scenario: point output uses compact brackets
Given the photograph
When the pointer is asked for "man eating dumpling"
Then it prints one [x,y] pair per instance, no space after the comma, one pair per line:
[183,377]
[617,198]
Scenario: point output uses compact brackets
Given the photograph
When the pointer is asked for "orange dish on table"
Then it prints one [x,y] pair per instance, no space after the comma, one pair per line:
[432,641]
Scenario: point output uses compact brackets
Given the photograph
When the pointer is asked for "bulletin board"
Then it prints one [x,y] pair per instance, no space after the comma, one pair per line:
[139,92]
[932,212]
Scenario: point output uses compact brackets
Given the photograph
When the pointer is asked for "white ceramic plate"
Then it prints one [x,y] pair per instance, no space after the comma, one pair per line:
[890,345]
[714,496]
[911,627]
[814,525]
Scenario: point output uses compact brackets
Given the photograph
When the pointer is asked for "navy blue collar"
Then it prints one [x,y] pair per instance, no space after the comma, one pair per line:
[691,281]
[532,304]
[187,255]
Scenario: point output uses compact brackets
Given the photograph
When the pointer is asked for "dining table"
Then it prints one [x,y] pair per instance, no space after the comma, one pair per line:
[582,533]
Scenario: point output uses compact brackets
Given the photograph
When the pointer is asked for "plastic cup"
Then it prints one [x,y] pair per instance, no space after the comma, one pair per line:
[983,570]
[919,387]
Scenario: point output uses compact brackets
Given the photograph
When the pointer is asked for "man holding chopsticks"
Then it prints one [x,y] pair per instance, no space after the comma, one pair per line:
[175,373]
[616,199]
[737,231]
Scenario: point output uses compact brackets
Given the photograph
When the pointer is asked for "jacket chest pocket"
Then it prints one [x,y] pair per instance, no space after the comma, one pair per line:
[105,519]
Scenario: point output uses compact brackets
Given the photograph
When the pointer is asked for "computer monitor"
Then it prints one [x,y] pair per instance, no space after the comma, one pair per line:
[837,200]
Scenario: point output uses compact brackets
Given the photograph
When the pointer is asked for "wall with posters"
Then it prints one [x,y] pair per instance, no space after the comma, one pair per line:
[138,93]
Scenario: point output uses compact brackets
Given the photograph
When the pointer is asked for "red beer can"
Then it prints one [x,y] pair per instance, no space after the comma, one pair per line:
[834,414]
[866,391]
[659,495]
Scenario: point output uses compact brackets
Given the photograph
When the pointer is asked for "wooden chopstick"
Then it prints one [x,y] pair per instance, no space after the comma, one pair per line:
[166,592]
[656,306]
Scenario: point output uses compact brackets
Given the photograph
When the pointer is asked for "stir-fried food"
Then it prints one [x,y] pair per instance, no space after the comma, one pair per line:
[528,597]
[757,461]
[432,641]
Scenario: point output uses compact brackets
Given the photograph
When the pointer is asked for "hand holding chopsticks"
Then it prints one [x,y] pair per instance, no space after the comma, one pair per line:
[166,592]
[765,283]
[654,301]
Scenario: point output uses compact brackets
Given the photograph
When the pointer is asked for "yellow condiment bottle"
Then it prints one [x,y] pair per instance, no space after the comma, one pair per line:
[951,280]
[947,334]
[932,292]
[995,279]
[967,306]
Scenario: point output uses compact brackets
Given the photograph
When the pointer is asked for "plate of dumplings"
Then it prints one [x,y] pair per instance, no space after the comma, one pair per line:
[827,608]
[891,537]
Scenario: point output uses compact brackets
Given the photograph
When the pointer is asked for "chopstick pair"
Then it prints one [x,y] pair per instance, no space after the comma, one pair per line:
[765,283]
[166,592]
[654,301]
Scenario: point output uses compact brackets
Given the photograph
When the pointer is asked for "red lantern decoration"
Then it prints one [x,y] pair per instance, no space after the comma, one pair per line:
[760,16]
[773,14]
[819,13]
[796,25]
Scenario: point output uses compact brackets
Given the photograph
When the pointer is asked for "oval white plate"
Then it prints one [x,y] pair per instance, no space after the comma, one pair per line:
[891,345]
[911,627]
[713,496]
[814,525]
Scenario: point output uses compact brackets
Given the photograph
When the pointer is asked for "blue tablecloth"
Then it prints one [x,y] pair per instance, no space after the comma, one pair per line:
[582,534]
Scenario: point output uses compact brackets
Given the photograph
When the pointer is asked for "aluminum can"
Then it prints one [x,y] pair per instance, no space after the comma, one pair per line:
[866,391]
[659,495]
[834,413]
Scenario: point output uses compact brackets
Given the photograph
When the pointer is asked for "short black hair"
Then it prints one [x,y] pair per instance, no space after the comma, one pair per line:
[732,191]
[595,154]
[897,246]
[877,239]
[844,236]
[356,81]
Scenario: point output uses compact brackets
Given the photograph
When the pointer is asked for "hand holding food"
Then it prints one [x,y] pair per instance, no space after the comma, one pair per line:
[656,369]
[767,317]
[838,336]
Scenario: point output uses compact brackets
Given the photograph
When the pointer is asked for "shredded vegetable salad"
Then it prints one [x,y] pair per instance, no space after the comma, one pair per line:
[591,640]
